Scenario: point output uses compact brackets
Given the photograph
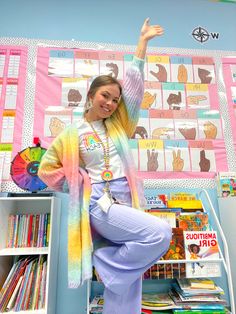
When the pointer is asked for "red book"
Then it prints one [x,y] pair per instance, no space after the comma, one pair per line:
[30,231]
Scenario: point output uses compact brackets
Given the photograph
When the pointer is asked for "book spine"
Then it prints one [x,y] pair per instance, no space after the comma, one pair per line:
[12,300]
[36,229]
[16,231]
[48,228]
[45,230]
[41,230]
[11,219]
[25,238]
[29,234]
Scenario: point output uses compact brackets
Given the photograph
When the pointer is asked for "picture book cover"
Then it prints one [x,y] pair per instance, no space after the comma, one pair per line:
[226,184]
[202,283]
[176,251]
[157,301]
[193,221]
[96,305]
[155,200]
[200,246]
[182,196]
[186,205]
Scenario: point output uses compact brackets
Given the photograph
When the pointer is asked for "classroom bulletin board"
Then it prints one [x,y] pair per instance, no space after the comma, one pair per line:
[187,120]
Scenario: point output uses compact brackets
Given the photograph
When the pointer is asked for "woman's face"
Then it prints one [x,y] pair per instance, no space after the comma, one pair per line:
[104,102]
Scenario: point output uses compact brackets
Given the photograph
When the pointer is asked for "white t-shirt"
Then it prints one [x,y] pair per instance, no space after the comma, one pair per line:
[91,151]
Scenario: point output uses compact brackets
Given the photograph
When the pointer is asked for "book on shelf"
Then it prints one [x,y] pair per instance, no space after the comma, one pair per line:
[182,196]
[175,210]
[155,200]
[183,286]
[25,281]
[202,298]
[30,285]
[38,283]
[36,230]
[202,283]
[187,206]
[197,221]
[96,305]
[12,299]
[145,311]
[189,311]
[157,301]
[200,246]
[226,183]
[176,252]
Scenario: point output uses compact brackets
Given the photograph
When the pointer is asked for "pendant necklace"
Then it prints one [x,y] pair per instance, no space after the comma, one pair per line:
[106,174]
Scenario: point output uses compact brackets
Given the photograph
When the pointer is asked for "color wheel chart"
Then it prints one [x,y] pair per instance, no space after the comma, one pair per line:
[24,169]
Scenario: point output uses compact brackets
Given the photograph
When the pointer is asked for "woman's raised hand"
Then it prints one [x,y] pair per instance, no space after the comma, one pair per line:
[150,31]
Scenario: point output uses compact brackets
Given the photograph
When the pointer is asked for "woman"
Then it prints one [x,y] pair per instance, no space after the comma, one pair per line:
[93,159]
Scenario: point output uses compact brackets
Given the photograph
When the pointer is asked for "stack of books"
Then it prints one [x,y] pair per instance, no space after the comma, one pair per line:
[200,294]
[157,301]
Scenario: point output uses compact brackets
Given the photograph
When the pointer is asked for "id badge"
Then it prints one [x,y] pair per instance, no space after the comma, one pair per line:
[105,202]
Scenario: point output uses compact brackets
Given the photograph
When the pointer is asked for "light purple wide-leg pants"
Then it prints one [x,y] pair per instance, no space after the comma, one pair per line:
[140,239]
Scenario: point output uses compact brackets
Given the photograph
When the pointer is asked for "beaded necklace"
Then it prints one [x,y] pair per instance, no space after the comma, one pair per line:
[106,174]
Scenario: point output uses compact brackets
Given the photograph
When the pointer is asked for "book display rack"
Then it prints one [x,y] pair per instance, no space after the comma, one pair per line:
[214,265]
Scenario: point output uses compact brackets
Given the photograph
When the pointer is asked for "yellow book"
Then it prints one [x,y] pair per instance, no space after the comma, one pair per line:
[182,196]
[189,205]
[202,283]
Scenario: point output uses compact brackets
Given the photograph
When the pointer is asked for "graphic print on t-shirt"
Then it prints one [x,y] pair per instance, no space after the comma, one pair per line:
[91,141]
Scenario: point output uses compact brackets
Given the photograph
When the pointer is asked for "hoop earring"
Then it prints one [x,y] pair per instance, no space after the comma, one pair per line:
[88,105]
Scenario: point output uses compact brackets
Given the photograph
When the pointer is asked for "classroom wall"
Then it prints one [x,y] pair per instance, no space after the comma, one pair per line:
[117,22]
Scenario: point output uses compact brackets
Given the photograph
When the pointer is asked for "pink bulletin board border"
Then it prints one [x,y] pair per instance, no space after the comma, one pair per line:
[20,100]
[226,62]
[43,96]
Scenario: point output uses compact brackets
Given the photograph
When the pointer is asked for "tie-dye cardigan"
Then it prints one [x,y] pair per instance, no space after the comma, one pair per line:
[61,165]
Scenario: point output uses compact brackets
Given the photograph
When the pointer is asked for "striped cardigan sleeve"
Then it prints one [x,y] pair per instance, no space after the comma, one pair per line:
[127,112]
[51,170]
[56,163]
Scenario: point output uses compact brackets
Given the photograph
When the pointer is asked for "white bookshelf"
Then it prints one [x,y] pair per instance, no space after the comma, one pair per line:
[32,205]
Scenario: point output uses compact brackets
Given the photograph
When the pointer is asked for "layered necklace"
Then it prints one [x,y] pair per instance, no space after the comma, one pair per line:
[106,174]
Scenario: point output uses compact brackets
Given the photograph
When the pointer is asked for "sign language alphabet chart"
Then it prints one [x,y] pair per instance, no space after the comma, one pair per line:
[179,130]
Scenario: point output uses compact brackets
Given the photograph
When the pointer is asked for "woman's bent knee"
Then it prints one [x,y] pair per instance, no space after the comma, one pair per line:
[163,237]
